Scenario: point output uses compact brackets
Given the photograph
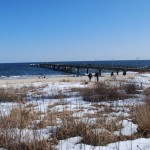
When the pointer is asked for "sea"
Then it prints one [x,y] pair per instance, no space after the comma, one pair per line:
[24,70]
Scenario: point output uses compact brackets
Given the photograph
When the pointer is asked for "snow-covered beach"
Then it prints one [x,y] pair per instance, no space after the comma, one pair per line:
[54,103]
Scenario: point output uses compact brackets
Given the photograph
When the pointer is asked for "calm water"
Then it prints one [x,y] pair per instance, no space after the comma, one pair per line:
[22,70]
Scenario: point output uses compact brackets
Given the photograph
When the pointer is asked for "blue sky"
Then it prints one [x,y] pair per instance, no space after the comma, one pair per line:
[65,30]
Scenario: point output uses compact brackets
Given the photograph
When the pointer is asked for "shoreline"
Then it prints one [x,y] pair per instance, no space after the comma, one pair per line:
[70,78]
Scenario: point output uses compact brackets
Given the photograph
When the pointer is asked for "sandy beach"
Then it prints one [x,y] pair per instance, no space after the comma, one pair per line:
[27,81]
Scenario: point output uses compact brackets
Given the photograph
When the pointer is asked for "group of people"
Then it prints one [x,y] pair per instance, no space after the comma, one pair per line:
[96,76]
[124,73]
[42,76]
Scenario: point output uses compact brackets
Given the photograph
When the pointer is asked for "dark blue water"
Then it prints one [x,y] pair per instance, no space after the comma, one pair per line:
[22,70]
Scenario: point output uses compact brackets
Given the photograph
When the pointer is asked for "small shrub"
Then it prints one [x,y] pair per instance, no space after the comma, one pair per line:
[130,88]
[147,92]
[100,92]
[19,117]
[141,115]
[11,95]
[65,80]
[99,133]
[86,131]
[11,143]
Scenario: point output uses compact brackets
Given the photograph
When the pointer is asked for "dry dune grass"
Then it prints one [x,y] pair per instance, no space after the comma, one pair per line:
[98,132]
[19,94]
[19,117]
[141,115]
[11,95]
[12,143]
[130,88]
[66,80]
[100,92]
[92,134]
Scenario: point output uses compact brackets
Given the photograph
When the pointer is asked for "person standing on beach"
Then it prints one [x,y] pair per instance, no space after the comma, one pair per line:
[124,72]
[96,75]
[90,76]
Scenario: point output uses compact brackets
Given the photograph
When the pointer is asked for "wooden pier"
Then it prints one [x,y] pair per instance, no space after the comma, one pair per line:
[71,68]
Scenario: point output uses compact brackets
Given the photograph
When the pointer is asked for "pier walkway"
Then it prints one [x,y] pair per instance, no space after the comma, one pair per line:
[71,68]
